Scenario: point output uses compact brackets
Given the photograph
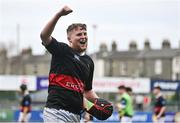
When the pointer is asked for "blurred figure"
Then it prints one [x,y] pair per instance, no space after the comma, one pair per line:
[139,101]
[129,90]
[125,106]
[25,105]
[160,106]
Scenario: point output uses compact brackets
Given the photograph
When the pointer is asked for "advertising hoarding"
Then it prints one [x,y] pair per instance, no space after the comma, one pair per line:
[166,85]
[12,82]
[110,84]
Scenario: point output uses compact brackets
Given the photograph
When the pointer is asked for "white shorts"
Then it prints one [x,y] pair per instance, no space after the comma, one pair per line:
[26,119]
[60,116]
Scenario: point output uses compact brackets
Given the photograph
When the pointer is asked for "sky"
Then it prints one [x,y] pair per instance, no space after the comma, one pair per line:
[117,20]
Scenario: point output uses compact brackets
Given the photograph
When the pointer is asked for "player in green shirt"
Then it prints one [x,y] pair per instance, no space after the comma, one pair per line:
[125,106]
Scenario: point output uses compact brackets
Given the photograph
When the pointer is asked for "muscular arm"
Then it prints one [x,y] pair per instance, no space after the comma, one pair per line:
[49,27]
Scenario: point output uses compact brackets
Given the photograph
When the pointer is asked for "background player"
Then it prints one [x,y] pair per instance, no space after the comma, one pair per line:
[129,91]
[71,73]
[125,106]
[160,105]
[25,105]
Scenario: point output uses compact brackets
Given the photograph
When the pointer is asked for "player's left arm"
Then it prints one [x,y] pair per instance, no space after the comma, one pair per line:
[91,99]
[89,93]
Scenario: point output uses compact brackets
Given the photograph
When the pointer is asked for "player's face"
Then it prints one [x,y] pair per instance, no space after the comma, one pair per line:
[78,39]
[155,91]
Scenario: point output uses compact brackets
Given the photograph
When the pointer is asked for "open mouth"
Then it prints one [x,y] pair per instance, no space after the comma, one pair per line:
[82,41]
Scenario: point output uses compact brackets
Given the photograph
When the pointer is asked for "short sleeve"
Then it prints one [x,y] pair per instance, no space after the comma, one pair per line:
[56,48]
[88,85]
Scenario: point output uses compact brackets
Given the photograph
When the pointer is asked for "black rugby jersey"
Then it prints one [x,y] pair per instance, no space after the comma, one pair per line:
[25,103]
[70,75]
[159,103]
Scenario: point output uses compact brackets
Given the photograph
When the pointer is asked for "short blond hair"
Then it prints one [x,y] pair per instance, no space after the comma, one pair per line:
[75,26]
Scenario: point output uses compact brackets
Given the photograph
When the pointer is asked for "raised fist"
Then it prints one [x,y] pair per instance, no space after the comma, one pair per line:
[65,11]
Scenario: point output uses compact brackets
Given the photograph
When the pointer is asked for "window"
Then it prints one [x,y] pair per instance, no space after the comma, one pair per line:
[177,76]
[158,67]
[123,68]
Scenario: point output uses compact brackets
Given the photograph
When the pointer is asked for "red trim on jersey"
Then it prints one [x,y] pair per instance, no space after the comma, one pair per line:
[67,82]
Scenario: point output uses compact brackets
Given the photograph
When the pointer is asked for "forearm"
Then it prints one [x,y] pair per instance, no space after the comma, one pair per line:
[49,28]
[87,96]
[90,94]
[162,111]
